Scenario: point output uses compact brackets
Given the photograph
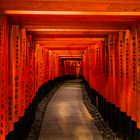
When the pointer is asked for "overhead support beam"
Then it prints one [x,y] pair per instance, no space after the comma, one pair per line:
[68,40]
[70,56]
[76,20]
[67,48]
[73,30]
[63,5]
[70,13]
[44,37]
[88,33]
[68,52]
[69,44]
[62,48]
[73,25]
[82,25]
[46,40]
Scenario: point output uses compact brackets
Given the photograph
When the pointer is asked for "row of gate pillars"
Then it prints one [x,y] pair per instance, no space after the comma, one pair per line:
[118,121]
[23,126]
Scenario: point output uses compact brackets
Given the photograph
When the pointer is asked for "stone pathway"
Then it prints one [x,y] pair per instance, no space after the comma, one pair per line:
[66,117]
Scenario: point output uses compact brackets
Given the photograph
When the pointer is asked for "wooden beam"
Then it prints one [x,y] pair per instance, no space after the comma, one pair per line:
[65,47]
[95,1]
[70,33]
[70,13]
[70,16]
[68,52]
[77,21]
[62,48]
[73,25]
[71,57]
[45,31]
[38,33]
[44,37]
[70,44]
[69,41]
[101,6]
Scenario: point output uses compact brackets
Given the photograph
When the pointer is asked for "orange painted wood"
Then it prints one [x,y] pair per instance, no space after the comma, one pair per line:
[138,79]
[122,72]
[10,91]
[15,50]
[128,71]
[105,67]
[110,68]
[23,71]
[3,77]
[134,72]
[27,75]
[96,6]
[31,84]
[36,68]
[50,65]
[115,70]
[91,64]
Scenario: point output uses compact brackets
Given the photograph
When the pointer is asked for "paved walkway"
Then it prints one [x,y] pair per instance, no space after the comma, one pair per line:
[66,117]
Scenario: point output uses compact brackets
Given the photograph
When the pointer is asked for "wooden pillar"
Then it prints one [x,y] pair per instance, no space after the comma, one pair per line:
[111,68]
[138,79]
[15,51]
[23,71]
[128,63]
[134,71]
[4,79]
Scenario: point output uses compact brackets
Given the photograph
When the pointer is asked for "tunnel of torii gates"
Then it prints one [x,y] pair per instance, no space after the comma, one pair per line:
[102,48]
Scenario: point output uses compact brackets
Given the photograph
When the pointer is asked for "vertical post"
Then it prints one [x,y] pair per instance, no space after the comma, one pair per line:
[3,77]
[15,51]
